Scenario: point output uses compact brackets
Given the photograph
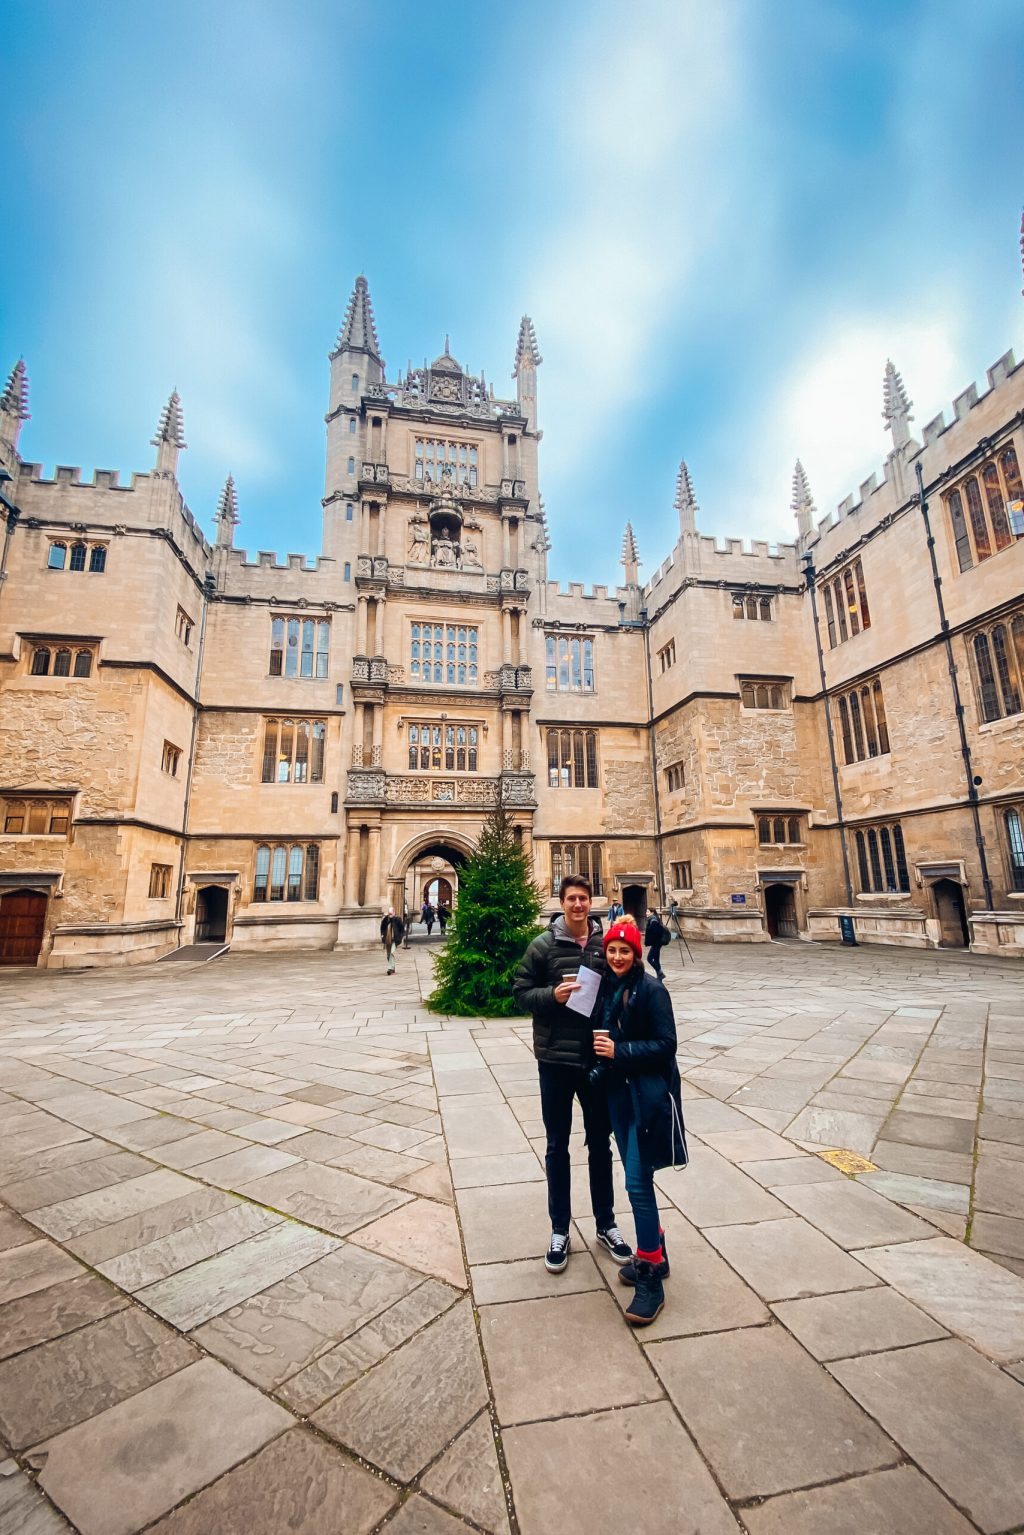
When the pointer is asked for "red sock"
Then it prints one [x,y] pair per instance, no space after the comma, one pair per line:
[655,1257]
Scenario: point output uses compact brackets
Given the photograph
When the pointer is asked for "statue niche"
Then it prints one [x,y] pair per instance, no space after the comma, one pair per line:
[446,521]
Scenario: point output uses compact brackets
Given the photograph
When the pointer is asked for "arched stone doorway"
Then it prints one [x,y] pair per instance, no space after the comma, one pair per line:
[211,914]
[22,921]
[780,911]
[634,903]
[952,914]
[426,863]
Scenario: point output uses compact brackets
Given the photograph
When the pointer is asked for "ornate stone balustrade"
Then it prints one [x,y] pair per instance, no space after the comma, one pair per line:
[369,787]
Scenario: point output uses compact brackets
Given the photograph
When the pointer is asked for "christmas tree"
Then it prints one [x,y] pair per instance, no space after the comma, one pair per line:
[497,916]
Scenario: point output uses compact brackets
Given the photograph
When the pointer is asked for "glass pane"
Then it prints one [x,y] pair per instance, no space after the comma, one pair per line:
[291,660]
[277,874]
[996,506]
[311,891]
[851,602]
[316,767]
[1011,473]
[986,678]
[858,734]
[862,862]
[57,556]
[77,561]
[284,752]
[83,663]
[1011,698]
[98,559]
[301,773]
[865,616]
[844,725]
[979,526]
[883,729]
[890,872]
[830,617]
[295,874]
[837,592]
[38,815]
[960,534]
[902,876]
[737,607]
[876,867]
[62,663]
[579,773]
[869,722]
[40,662]
[270,752]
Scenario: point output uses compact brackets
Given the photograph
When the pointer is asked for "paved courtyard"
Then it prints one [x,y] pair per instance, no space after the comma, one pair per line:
[269,1259]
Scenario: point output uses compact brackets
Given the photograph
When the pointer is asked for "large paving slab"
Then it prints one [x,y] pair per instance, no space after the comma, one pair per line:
[639,1458]
[123,1468]
[959,1417]
[900,1501]
[764,1415]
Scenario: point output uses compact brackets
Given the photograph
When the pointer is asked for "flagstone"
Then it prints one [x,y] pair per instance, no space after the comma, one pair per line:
[120,1470]
[468,1478]
[852,1215]
[896,1502]
[439,1370]
[33,1266]
[856,1322]
[60,1383]
[765,1415]
[23,1508]
[80,1178]
[74,1217]
[785,1259]
[187,1246]
[58,1309]
[424,1235]
[960,1419]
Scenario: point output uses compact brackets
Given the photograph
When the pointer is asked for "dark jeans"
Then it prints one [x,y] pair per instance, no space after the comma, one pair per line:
[639,1177]
[654,957]
[559,1086]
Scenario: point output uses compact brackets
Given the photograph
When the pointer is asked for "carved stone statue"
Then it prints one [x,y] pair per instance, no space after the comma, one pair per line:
[471,553]
[444,553]
[417,544]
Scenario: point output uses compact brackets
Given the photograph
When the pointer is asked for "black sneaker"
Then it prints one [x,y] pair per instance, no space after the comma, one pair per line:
[648,1297]
[557,1255]
[614,1244]
[627,1275]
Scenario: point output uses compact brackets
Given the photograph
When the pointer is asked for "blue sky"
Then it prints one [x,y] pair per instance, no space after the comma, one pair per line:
[721,217]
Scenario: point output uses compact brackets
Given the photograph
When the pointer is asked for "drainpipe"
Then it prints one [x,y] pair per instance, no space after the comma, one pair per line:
[209,584]
[958,708]
[809,577]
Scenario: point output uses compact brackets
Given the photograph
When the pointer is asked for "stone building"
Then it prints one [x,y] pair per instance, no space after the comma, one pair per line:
[200,745]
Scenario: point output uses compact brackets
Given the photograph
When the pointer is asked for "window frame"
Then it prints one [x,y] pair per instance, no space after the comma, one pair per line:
[160,881]
[577,857]
[766,695]
[442,749]
[71,658]
[979,508]
[780,828]
[184,626]
[569,663]
[995,654]
[1012,820]
[170,759]
[675,776]
[276,874]
[863,725]
[847,612]
[282,761]
[451,649]
[24,808]
[573,757]
[681,874]
[297,660]
[881,858]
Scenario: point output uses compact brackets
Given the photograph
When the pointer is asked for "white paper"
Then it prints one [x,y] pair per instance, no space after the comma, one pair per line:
[582,1001]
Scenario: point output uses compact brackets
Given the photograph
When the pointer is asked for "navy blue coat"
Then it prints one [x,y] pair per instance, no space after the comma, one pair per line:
[644,1066]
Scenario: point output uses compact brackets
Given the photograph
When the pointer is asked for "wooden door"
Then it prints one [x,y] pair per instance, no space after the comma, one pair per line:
[22,919]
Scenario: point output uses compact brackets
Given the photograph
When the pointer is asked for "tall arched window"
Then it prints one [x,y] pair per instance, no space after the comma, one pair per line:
[882,860]
[97,559]
[997,653]
[78,557]
[1015,843]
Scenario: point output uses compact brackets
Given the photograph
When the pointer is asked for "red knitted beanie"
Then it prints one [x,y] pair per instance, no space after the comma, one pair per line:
[625,931]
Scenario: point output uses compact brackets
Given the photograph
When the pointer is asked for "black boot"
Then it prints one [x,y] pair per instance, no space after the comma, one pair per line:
[648,1297]
[627,1274]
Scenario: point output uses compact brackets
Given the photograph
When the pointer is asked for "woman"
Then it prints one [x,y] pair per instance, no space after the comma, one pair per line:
[635,1042]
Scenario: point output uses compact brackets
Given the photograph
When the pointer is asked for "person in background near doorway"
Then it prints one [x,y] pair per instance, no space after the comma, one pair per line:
[427,916]
[614,912]
[442,916]
[391,931]
[656,936]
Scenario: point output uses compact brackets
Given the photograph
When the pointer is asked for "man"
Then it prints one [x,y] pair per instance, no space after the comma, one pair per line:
[656,935]
[442,916]
[427,917]
[563,1045]
[614,912]
[391,931]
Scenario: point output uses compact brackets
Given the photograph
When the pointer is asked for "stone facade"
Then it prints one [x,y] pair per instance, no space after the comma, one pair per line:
[196,744]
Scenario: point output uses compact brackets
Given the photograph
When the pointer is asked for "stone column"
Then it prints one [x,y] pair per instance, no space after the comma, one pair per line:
[351,897]
[506,636]
[376,752]
[506,552]
[506,740]
[372,894]
[357,735]
[378,627]
[361,626]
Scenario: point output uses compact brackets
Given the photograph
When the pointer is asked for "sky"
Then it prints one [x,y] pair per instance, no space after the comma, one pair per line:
[723,219]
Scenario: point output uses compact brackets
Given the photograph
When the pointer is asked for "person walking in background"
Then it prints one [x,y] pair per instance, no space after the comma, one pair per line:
[442,916]
[656,936]
[615,912]
[562,1043]
[427,916]
[635,1043]
[391,931]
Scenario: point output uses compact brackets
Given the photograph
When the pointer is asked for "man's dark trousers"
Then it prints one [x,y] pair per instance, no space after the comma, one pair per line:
[559,1085]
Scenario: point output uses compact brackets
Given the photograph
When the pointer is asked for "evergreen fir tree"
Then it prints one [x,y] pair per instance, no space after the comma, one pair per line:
[497,916]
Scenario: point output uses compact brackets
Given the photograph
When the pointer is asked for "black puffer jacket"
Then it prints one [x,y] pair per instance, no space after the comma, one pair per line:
[559,1034]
